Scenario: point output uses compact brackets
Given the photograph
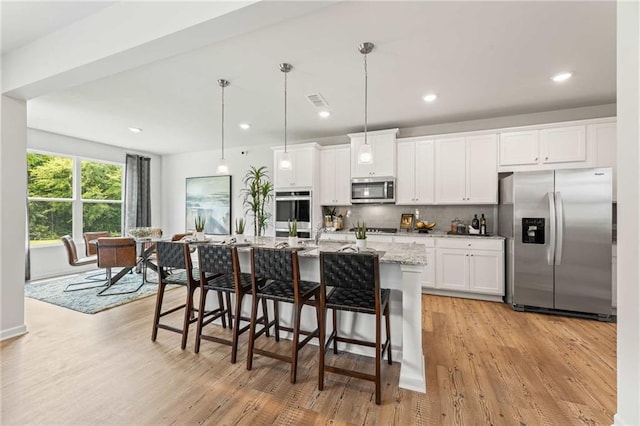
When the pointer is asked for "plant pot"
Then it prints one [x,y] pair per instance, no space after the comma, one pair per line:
[361,244]
[293,241]
[199,235]
[240,238]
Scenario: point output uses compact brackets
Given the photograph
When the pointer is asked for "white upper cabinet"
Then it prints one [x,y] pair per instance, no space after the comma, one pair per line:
[335,179]
[544,149]
[383,148]
[603,136]
[302,168]
[466,170]
[519,148]
[563,145]
[415,181]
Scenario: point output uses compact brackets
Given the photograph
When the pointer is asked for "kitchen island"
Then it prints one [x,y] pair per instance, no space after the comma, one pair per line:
[401,266]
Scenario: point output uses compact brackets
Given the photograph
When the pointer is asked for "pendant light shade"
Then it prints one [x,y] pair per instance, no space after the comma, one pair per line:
[285,159]
[365,156]
[222,168]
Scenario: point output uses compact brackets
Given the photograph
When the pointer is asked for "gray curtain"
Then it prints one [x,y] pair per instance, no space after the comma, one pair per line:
[137,192]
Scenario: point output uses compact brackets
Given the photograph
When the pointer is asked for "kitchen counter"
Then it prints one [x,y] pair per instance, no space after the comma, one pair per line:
[431,234]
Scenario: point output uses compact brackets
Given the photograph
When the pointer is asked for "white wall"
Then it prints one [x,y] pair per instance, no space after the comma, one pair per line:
[48,261]
[13,186]
[176,168]
[628,77]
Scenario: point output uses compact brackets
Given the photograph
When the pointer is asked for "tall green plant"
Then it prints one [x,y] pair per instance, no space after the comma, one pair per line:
[257,194]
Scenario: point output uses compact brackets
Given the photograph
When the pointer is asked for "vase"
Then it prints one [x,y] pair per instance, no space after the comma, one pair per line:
[361,244]
[199,235]
[239,238]
[293,241]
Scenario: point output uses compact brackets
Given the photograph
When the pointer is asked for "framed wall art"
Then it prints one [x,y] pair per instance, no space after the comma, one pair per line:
[209,197]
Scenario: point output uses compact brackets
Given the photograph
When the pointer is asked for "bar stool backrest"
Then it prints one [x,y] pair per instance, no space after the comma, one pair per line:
[171,255]
[72,251]
[274,264]
[350,270]
[217,259]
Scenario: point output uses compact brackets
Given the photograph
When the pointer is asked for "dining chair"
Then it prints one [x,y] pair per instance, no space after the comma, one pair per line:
[354,279]
[91,249]
[114,252]
[72,258]
[177,257]
[220,272]
[275,275]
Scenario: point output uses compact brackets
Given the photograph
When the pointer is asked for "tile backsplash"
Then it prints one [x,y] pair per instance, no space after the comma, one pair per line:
[388,216]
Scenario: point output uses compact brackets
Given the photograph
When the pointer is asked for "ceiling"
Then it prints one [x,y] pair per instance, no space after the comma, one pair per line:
[483,59]
[26,21]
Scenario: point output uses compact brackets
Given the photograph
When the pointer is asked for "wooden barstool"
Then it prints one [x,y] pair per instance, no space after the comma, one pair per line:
[176,256]
[355,282]
[279,269]
[220,271]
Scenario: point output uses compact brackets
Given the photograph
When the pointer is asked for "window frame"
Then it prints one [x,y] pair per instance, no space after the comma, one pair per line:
[76,199]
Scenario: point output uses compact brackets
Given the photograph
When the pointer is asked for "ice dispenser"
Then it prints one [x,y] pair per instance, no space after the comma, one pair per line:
[532,230]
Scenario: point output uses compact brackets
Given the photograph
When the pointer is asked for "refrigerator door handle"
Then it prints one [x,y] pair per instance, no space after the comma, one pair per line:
[552,230]
[560,227]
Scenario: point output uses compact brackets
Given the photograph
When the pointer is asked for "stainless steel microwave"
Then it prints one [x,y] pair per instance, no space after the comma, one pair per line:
[373,190]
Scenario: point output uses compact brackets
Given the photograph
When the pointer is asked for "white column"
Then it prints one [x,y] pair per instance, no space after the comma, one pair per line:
[412,369]
[13,187]
[628,95]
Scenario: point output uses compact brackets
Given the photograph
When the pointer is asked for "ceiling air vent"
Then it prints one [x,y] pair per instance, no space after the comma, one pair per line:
[317,100]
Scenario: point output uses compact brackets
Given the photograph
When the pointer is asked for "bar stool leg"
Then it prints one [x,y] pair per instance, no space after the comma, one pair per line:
[265,315]
[221,304]
[335,333]
[252,331]
[378,356]
[277,320]
[203,299]
[229,315]
[294,346]
[236,329]
[188,311]
[322,324]
[156,316]
[388,323]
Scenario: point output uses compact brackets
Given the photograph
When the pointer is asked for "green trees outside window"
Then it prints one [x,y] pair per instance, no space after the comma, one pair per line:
[60,193]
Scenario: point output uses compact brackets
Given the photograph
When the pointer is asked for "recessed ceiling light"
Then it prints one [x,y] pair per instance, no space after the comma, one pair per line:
[324,114]
[135,129]
[564,76]
[245,126]
[430,97]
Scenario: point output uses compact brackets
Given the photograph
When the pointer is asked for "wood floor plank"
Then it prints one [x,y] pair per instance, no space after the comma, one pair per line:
[484,364]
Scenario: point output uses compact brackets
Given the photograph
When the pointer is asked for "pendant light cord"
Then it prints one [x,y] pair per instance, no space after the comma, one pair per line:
[285,112]
[365,98]
[223,122]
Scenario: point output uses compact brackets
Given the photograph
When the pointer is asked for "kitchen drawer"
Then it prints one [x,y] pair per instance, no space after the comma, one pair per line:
[476,243]
[427,241]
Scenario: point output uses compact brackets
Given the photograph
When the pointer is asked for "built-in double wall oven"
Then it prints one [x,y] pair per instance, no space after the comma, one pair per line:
[293,205]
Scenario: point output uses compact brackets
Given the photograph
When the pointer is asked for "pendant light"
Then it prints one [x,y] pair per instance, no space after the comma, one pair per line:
[223,168]
[285,159]
[365,156]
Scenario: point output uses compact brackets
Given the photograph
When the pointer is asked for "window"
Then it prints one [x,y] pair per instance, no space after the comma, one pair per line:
[68,195]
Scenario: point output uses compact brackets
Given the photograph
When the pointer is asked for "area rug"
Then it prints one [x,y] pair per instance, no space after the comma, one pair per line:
[88,301]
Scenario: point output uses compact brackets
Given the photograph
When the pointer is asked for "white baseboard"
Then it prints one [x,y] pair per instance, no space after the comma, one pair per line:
[463,295]
[13,332]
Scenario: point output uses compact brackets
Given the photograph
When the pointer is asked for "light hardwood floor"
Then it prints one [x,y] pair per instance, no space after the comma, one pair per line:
[485,364]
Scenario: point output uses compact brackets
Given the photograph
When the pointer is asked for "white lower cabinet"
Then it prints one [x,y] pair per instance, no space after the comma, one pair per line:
[473,266]
[429,275]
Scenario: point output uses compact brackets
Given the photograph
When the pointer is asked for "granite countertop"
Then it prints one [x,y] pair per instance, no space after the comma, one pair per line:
[399,253]
[431,234]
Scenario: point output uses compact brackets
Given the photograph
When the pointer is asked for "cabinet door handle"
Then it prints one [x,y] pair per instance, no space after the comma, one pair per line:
[471,255]
[535,159]
[546,158]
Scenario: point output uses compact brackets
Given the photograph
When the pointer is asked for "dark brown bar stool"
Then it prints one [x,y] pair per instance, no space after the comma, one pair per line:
[220,271]
[355,282]
[176,256]
[279,269]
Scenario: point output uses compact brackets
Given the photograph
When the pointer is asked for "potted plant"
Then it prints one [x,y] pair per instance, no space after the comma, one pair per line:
[257,194]
[240,230]
[200,221]
[361,236]
[293,233]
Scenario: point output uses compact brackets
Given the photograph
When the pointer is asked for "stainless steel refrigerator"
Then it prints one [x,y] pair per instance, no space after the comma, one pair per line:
[558,228]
